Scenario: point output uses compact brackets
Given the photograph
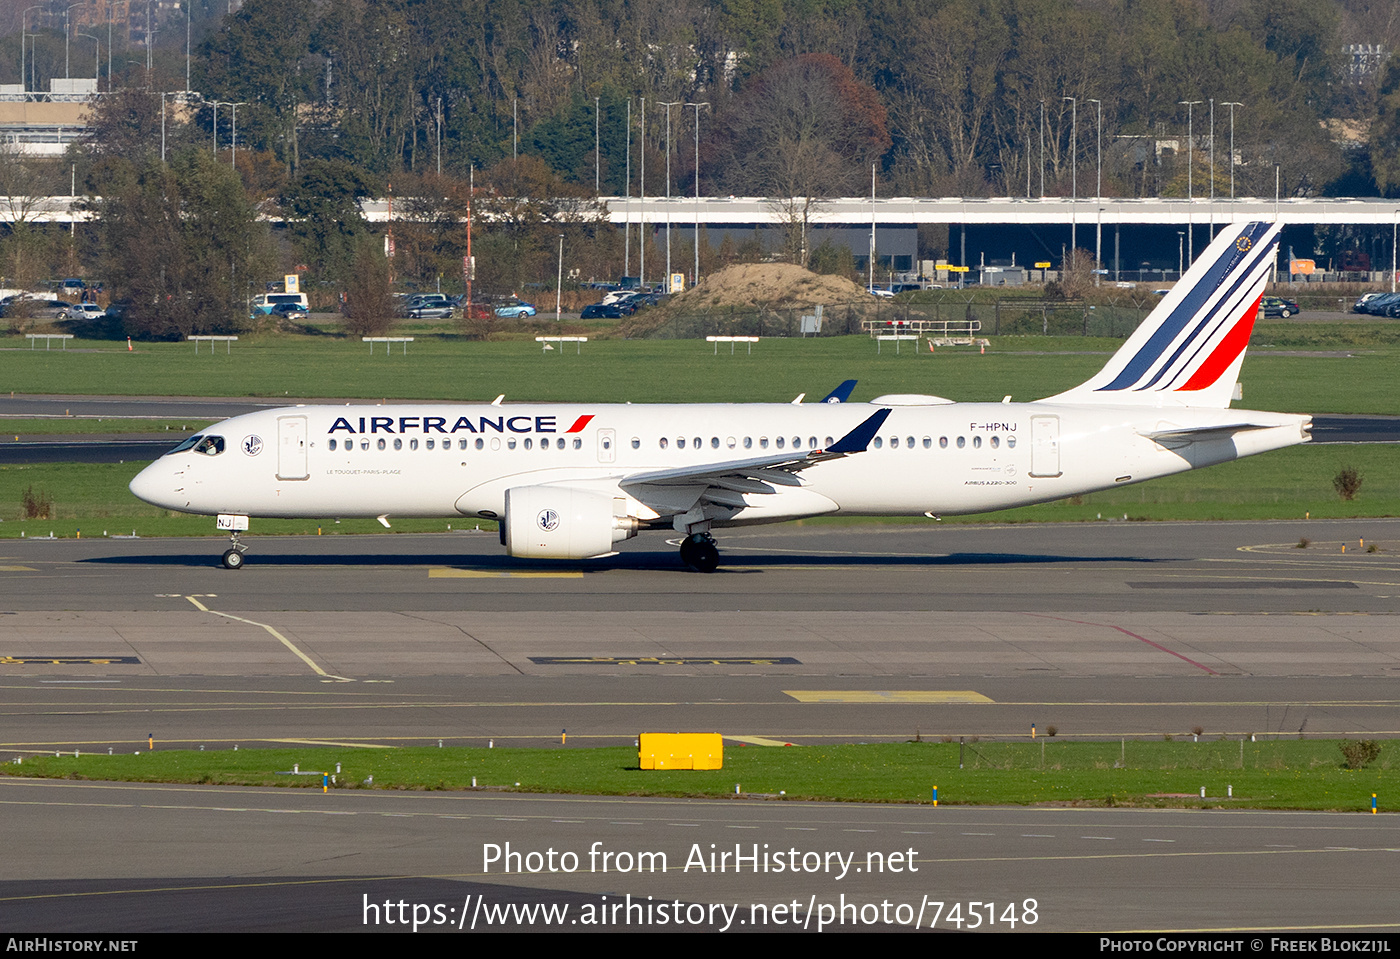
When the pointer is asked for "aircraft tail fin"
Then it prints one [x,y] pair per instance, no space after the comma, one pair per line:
[1189,349]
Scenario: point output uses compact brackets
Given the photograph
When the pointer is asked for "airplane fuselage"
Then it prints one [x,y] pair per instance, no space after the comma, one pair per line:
[453,460]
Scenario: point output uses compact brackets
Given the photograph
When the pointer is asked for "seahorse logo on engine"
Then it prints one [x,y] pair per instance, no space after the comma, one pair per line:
[548,520]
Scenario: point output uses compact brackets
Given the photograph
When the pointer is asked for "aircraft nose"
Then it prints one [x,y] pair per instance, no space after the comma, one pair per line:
[154,485]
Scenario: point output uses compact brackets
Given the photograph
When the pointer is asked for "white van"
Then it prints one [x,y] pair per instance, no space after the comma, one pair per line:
[264,302]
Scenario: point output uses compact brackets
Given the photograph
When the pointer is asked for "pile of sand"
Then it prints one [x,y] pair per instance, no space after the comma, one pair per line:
[772,285]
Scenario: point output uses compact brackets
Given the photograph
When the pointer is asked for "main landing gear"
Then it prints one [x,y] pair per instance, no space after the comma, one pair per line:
[233,559]
[698,551]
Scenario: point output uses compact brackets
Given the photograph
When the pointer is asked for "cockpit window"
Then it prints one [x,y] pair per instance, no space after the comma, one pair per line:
[210,446]
[188,443]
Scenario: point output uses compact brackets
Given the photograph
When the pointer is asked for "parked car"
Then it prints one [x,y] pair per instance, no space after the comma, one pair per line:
[89,311]
[604,311]
[1363,302]
[1376,304]
[516,309]
[288,311]
[1277,306]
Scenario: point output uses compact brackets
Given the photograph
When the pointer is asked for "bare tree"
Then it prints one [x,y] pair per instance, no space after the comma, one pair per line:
[805,130]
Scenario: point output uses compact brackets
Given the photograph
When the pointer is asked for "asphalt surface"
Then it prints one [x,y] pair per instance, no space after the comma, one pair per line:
[807,634]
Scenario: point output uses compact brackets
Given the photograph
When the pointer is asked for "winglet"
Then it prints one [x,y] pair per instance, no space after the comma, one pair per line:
[859,438]
[842,393]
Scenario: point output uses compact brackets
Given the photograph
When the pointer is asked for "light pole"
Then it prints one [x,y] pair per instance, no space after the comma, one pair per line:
[225,103]
[233,154]
[23,29]
[1232,147]
[1180,264]
[1098,196]
[67,32]
[1190,162]
[96,55]
[1212,168]
[642,208]
[1394,233]
[559,284]
[666,286]
[695,278]
[627,199]
[1042,149]
[1073,176]
[439,136]
[597,147]
[189,17]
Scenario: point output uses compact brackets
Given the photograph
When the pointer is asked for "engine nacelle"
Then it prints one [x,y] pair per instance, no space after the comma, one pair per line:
[560,522]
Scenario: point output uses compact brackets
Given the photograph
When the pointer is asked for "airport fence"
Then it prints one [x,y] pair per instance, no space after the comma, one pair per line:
[1109,316]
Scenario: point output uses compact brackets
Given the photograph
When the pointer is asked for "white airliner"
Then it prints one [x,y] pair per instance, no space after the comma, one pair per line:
[569,482]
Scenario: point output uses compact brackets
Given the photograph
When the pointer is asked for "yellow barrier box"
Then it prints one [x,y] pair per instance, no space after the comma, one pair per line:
[680,750]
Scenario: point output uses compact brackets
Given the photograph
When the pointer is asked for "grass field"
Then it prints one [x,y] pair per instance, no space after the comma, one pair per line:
[1353,374]
[1261,775]
[26,429]
[1349,378]
[1284,484]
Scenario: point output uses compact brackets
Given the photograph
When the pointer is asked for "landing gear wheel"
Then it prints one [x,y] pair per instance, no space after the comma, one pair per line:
[706,558]
[700,553]
[233,559]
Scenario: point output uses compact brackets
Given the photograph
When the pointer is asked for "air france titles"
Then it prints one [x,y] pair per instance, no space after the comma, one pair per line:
[462,424]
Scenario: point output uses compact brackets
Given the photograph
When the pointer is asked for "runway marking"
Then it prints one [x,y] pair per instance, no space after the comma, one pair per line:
[1230,583]
[758,741]
[1128,632]
[280,638]
[70,660]
[664,661]
[17,569]
[886,696]
[321,742]
[453,572]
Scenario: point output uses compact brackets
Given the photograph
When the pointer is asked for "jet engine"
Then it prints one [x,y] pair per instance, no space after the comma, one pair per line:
[561,522]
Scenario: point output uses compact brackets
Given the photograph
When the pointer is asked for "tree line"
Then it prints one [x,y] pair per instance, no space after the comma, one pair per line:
[525,112]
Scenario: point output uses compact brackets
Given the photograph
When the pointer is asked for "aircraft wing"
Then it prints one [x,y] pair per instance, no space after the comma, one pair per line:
[676,490]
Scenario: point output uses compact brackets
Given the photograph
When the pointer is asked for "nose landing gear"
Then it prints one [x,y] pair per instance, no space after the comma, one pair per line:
[698,551]
[233,559]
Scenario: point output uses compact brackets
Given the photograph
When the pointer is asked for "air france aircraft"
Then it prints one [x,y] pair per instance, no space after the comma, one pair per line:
[571,481]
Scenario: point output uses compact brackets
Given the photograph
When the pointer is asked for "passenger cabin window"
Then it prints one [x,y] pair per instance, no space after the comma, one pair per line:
[331,444]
